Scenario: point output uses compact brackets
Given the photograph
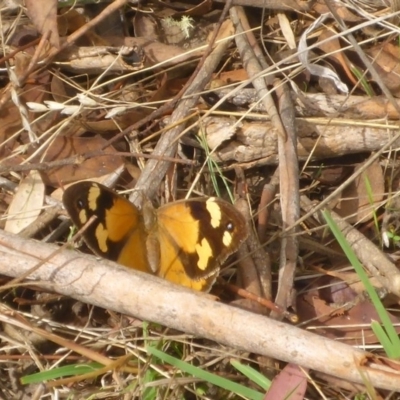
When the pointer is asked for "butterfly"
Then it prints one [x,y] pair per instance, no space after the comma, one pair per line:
[184,241]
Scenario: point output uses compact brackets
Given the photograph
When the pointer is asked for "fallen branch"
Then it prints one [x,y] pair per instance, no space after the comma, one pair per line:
[108,285]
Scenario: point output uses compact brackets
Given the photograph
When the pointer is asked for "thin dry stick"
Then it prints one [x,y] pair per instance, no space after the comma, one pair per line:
[290,202]
[287,145]
[77,159]
[248,271]
[254,68]
[285,5]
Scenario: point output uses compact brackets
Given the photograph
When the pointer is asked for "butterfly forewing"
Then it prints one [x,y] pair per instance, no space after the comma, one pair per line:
[117,231]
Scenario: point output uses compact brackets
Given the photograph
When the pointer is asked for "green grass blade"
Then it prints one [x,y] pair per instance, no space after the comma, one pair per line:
[389,331]
[207,376]
[68,370]
[252,374]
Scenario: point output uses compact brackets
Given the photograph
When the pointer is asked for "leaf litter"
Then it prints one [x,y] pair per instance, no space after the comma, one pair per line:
[89,89]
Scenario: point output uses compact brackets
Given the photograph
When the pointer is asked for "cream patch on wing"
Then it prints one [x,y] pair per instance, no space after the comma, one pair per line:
[215,212]
[101,237]
[94,193]
[204,251]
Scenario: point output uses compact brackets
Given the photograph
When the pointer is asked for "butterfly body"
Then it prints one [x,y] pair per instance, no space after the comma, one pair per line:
[184,242]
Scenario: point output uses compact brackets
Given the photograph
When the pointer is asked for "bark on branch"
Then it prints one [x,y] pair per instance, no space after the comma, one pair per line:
[108,285]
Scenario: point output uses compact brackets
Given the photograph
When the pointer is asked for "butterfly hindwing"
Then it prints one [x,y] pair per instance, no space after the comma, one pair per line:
[196,237]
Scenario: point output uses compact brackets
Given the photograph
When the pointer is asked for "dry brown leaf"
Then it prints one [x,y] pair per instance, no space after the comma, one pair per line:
[236,75]
[10,123]
[70,21]
[26,204]
[99,165]
[343,11]
[145,25]
[336,311]
[219,130]
[386,60]
[157,52]
[332,48]
[58,89]
[355,204]
[291,383]
[43,14]
[108,180]
[226,30]
[336,323]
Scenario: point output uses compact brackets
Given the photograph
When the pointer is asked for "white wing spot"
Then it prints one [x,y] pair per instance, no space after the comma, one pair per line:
[215,212]
[227,239]
[101,236]
[94,193]
[83,217]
